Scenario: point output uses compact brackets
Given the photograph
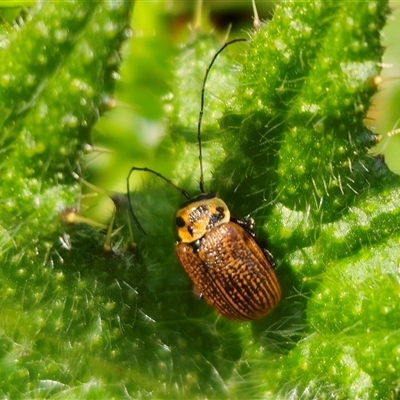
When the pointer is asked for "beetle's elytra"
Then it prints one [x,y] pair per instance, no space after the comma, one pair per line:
[220,253]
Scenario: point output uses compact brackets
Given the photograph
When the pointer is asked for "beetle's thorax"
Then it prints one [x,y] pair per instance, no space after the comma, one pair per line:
[197,216]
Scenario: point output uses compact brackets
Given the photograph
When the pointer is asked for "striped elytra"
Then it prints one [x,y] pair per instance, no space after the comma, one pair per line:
[224,261]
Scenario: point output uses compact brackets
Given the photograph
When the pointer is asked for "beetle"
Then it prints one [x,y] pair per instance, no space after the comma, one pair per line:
[219,252]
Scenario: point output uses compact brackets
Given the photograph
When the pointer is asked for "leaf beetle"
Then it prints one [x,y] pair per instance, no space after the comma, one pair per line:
[219,252]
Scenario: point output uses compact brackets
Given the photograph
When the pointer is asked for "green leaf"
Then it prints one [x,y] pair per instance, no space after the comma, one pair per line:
[283,140]
[57,73]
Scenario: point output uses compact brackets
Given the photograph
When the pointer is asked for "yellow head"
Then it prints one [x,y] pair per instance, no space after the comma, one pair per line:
[197,216]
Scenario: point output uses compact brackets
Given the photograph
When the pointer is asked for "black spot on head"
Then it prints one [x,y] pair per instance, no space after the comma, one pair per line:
[215,218]
[190,230]
[180,222]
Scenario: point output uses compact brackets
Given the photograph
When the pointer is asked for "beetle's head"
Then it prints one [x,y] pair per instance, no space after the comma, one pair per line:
[199,215]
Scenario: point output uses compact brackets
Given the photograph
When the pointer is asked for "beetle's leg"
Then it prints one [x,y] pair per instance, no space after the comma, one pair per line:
[269,257]
[246,223]
[196,245]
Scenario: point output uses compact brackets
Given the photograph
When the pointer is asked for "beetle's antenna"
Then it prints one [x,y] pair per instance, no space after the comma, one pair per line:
[184,192]
[203,88]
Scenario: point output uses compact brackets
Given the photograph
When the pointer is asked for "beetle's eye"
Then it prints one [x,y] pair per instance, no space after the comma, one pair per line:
[180,222]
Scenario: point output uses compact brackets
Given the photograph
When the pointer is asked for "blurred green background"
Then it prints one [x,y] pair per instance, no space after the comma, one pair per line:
[129,134]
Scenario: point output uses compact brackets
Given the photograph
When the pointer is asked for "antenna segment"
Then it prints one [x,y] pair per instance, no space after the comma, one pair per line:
[202,107]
